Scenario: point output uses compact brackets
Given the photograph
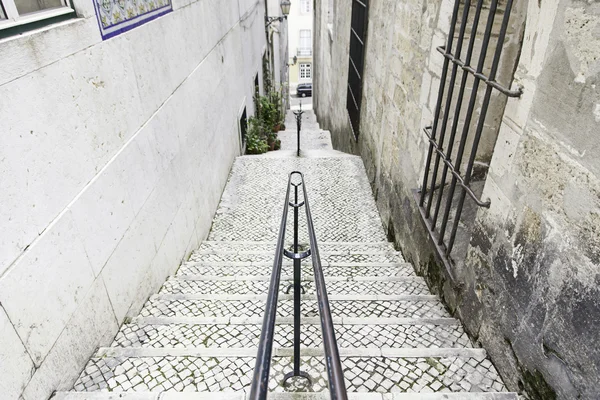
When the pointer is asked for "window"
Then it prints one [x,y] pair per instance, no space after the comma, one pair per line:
[358,34]
[305,6]
[15,13]
[305,47]
[457,161]
[305,71]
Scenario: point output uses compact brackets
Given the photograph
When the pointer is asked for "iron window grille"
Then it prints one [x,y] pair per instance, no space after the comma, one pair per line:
[441,141]
[358,35]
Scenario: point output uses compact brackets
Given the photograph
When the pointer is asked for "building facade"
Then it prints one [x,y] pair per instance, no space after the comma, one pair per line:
[494,145]
[301,42]
[120,121]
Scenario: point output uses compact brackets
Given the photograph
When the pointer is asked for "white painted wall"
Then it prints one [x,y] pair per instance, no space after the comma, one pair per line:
[113,158]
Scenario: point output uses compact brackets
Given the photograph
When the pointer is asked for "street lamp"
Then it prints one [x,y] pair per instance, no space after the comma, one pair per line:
[285,7]
[285,10]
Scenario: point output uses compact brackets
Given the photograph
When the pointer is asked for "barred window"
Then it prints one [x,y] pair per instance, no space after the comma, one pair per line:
[358,34]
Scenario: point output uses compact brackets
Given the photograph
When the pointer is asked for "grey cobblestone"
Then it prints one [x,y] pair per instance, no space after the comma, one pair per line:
[372,374]
[181,286]
[239,336]
[307,270]
[374,257]
[324,247]
[355,309]
[339,193]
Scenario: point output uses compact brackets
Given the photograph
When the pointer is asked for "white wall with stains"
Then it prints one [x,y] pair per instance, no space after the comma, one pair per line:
[113,157]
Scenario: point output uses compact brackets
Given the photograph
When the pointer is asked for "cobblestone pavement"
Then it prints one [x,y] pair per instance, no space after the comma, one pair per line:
[200,332]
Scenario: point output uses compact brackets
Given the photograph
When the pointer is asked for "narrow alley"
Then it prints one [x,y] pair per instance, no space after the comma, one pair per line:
[200,332]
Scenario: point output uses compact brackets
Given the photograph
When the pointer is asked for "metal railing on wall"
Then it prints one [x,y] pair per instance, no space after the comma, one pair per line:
[260,382]
[431,194]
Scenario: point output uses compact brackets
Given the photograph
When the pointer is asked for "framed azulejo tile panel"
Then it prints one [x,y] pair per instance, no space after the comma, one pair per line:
[118,16]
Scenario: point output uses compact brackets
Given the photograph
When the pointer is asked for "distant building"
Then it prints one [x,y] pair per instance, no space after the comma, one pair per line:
[301,42]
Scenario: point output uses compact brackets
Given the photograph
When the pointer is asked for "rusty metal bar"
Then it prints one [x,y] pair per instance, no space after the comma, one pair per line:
[459,43]
[461,93]
[468,116]
[481,121]
[438,106]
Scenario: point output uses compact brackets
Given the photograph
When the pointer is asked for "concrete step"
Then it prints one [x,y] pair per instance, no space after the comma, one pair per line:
[324,247]
[152,333]
[311,137]
[327,258]
[335,285]
[344,270]
[215,370]
[190,306]
[281,396]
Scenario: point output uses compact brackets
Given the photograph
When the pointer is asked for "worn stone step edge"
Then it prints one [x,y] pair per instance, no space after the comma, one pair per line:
[288,297]
[289,262]
[218,352]
[304,153]
[232,320]
[322,253]
[267,278]
[274,243]
[280,396]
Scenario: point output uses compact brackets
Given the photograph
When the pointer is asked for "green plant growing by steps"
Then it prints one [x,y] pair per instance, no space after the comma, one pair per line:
[256,140]
[262,132]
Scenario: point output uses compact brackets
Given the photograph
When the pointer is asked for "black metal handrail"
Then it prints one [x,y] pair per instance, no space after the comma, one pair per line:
[260,382]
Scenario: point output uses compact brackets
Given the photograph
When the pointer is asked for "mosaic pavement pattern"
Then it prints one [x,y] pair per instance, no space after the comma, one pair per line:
[350,271]
[158,307]
[182,286]
[200,332]
[211,374]
[241,336]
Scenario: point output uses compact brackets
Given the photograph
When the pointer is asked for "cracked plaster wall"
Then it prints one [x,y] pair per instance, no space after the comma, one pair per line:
[528,287]
[114,155]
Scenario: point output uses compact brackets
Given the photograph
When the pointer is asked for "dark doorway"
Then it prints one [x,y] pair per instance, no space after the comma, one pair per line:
[358,35]
[243,127]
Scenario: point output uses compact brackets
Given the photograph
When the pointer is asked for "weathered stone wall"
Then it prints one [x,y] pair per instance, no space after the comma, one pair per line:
[532,291]
[114,155]
[528,286]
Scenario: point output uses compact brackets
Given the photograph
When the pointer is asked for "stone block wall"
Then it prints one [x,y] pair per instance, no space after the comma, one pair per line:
[113,159]
[527,287]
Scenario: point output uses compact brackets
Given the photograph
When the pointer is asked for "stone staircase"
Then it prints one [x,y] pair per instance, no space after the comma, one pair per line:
[200,332]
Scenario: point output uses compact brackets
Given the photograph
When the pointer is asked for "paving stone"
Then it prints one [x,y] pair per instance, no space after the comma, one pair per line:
[406,287]
[363,374]
[356,309]
[240,336]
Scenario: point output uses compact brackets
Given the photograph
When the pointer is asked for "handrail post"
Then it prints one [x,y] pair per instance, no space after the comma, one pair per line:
[296,291]
[260,381]
[297,285]
[298,115]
